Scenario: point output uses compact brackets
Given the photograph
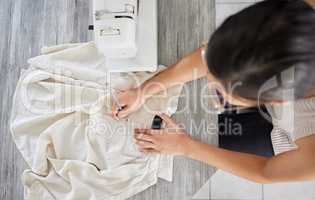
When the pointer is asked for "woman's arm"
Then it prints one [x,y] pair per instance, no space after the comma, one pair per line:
[296,165]
[191,67]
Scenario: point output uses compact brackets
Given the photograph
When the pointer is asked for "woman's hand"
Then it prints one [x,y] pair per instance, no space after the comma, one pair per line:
[130,100]
[172,140]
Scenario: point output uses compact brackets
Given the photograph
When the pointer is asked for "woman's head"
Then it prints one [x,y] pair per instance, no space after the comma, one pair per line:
[261,42]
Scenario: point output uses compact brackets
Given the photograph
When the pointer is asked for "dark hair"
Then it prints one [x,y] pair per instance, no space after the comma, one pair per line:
[261,42]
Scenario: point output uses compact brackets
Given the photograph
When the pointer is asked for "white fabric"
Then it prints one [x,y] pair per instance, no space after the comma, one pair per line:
[62,126]
[291,120]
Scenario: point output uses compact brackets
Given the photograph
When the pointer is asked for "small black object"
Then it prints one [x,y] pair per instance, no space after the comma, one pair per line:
[120,109]
[91,27]
[124,17]
[157,122]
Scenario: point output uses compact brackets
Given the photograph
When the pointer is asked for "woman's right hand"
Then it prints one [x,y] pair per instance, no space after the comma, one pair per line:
[130,100]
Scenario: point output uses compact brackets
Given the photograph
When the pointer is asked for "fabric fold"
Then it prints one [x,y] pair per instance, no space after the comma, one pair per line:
[61,124]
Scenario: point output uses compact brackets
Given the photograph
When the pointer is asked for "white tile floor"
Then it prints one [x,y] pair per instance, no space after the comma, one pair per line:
[228,186]
[225,186]
[290,191]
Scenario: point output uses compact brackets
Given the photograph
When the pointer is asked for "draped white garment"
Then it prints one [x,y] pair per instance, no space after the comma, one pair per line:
[62,126]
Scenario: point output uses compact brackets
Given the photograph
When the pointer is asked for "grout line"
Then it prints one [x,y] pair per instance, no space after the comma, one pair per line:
[210,188]
[263,191]
[233,199]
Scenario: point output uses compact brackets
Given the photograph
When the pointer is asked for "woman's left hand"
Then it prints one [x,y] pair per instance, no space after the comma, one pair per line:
[172,140]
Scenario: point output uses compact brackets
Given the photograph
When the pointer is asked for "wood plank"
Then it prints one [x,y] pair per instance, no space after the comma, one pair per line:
[183,26]
[28,25]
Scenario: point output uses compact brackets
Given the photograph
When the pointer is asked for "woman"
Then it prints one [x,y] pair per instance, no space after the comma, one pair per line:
[253,47]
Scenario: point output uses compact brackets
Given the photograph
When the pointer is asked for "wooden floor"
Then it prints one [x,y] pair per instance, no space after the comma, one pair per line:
[28,25]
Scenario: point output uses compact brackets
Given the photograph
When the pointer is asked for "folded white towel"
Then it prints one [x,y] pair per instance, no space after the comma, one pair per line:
[61,124]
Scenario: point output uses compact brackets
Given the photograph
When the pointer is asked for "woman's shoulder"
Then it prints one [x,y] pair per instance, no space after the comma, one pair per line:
[292,121]
[296,117]
[300,107]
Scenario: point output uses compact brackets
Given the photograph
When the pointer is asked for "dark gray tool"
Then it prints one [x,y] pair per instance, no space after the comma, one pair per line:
[157,122]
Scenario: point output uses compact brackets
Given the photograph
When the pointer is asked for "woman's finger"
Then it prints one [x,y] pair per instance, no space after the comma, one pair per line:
[149,151]
[116,108]
[142,131]
[119,91]
[114,112]
[148,131]
[169,121]
[144,144]
[126,110]
[144,137]
[155,131]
